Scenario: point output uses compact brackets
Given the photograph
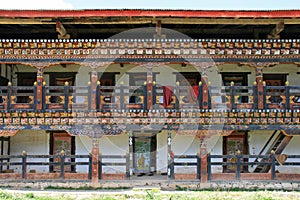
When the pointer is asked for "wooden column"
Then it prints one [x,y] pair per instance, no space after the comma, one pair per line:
[205,91]
[39,88]
[150,87]
[95,160]
[93,86]
[260,87]
[203,156]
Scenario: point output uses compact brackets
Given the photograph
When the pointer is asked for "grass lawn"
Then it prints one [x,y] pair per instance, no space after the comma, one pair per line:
[145,194]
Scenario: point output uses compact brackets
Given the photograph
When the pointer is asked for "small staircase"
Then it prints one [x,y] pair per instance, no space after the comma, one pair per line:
[278,145]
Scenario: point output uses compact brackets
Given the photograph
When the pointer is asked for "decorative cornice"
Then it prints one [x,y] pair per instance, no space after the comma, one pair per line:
[180,50]
[39,64]
[260,64]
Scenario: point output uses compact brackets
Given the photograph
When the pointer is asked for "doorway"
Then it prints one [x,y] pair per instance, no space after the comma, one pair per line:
[61,140]
[144,154]
[237,141]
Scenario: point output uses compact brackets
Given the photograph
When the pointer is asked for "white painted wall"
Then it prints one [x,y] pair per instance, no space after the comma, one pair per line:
[162,152]
[114,145]
[83,146]
[34,143]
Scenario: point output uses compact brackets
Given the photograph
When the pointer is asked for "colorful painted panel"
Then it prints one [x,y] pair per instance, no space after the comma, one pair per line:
[62,142]
[142,155]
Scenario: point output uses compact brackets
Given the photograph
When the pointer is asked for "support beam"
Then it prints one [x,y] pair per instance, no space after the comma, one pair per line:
[62,31]
[158,34]
[274,34]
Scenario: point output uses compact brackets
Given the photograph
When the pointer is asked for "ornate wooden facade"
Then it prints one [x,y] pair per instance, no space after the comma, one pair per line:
[96,117]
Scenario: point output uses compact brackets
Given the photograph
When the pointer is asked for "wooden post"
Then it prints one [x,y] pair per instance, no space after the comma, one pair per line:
[287,96]
[273,165]
[9,92]
[205,89]
[208,167]
[98,96]
[260,87]
[127,165]
[39,88]
[62,164]
[153,94]
[203,157]
[232,103]
[203,166]
[238,165]
[255,98]
[200,98]
[95,160]
[100,165]
[150,87]
[198,166]
[264,98]
[66,94]
[122,103]
[90,167]
[145,94]
[94,83]
[24,164]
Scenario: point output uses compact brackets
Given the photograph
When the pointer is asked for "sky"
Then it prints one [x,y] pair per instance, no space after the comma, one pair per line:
[153,4]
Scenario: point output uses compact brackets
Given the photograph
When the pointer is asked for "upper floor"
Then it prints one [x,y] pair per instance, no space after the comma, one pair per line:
[244,84]
[193,24]
[129,86]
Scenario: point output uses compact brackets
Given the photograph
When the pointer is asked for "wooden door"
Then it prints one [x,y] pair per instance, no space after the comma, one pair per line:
[231,145]
[62,141]
[144,151]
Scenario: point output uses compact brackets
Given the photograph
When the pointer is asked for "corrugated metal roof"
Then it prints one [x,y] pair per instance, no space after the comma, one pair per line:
[151,13]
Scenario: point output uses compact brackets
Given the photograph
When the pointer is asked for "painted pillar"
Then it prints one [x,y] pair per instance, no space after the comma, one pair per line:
[205,91]
[260,87]
[150,87]
[39,88]
[95,160]
[203,155]
[93,87]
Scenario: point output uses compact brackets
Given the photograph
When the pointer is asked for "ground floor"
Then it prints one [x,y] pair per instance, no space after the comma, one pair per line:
[164,155]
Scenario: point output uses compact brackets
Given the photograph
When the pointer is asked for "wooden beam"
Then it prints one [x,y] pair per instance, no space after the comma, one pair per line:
[151,20]
[62,31]
[274,34]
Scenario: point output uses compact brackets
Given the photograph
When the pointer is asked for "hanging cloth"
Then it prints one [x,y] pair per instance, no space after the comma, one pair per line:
[167,93]
[193,93]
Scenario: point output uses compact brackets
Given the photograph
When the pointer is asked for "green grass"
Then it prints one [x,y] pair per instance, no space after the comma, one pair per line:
[153,195]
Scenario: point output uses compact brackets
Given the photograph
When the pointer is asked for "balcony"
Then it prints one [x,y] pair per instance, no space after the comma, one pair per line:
[137,99]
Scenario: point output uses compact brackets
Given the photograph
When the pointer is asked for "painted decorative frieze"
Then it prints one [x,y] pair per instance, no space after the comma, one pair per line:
[70,49]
